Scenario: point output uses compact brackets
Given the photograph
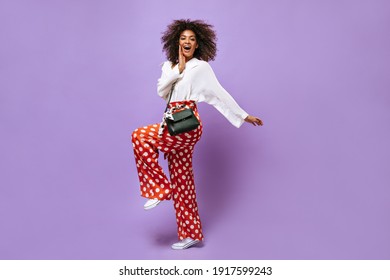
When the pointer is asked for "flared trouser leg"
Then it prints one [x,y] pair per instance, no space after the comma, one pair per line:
[181,186]
[184,195]
[146,145]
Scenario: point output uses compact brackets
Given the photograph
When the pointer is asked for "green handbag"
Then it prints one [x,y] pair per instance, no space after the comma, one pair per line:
[179,121]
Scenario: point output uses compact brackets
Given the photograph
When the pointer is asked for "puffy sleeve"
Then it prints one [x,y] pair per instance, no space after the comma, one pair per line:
[168,76]
[207,89]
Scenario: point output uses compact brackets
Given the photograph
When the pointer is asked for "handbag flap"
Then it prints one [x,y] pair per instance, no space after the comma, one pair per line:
[179,116]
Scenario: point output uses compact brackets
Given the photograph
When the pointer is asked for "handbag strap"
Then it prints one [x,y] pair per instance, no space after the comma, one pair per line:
[166,112]
[170,95]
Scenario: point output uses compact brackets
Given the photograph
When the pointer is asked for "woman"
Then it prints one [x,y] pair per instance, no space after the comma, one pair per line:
[187,79]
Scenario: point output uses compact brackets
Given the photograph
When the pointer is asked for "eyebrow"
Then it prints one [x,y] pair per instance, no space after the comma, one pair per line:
[187,36]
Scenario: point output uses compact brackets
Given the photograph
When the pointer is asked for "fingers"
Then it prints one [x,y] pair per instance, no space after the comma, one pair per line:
[257,121]
[254,121]
[181,56]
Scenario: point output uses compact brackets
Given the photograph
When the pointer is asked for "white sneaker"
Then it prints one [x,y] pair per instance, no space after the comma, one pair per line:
[151,203]
[184,244]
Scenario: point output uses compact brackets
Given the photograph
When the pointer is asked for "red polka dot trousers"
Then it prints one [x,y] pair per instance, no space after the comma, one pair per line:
[181,187]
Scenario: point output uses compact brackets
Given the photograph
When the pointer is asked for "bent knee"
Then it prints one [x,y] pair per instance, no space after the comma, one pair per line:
[134,135]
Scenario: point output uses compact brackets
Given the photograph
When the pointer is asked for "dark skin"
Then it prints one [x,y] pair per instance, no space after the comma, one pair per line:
[187,46]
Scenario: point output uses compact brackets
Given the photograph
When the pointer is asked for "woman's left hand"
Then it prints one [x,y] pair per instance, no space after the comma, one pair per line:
[253,120]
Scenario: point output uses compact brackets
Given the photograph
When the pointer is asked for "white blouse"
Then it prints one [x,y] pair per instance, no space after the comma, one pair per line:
[198,82]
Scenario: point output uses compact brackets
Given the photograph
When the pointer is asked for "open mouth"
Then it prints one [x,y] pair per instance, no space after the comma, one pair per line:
[187,48]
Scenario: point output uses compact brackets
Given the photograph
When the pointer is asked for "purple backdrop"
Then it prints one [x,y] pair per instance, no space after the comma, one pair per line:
[76,77]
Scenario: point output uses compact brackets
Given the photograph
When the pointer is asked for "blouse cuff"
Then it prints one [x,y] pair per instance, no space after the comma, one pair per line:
[241,119]
[244,115]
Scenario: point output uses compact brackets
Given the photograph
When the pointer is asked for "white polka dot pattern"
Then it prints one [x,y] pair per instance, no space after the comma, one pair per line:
[179,150]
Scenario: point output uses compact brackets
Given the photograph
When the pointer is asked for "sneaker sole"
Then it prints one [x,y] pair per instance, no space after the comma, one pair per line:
[152,205]
[189,244]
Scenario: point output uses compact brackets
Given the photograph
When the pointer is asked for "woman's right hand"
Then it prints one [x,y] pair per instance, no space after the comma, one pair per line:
[182,60]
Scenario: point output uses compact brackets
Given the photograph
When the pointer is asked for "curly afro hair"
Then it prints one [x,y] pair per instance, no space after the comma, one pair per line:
[205,37]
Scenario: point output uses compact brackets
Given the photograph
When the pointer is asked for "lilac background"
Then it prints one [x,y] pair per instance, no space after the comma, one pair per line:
[76,77]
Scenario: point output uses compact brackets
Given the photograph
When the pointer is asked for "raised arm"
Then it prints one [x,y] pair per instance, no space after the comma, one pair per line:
[170,75]
[207,88]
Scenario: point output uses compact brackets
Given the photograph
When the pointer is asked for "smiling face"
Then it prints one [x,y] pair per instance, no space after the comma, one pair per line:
[188,43]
